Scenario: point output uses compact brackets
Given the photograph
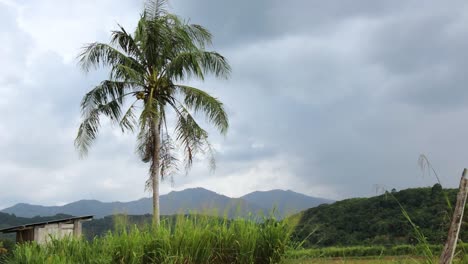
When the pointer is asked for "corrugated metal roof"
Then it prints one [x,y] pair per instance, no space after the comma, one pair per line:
[28,226]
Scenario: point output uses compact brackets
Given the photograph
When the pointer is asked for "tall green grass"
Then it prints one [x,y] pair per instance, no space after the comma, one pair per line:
[366,251]
[192,239]
[3,250]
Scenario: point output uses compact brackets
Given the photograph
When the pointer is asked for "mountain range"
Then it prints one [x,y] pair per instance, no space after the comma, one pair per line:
[188,200]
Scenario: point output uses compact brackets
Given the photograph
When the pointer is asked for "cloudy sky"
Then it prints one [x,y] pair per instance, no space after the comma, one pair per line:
[327,98]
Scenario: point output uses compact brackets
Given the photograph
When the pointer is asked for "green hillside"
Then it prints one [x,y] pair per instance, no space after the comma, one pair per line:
[359,221]
[379,220]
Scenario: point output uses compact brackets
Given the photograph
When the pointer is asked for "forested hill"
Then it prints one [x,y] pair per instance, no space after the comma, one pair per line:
[379,220]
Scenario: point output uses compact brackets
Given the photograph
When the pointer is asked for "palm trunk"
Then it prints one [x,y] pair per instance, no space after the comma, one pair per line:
[155,172]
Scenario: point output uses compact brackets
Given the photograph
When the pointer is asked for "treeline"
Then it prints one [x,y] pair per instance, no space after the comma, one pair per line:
[379,220]
[360,221]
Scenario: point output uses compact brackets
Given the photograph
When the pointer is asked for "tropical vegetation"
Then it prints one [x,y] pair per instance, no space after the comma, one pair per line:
[379,220]
[352,222]
[354,228]
[195,239]
[144,91]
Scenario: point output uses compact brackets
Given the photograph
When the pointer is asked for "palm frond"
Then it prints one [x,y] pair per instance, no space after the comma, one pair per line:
[146,139]
[89,128]
[190,135]
[186,37]
[199,100]
[149,35]
[155,9]
[198,63]
[105,92]
[128,120]
[145,143]
[97,55]
[127,43]
[215,63]
[199,34]
[185,65]
[150,112]
[168,161]
[126,73]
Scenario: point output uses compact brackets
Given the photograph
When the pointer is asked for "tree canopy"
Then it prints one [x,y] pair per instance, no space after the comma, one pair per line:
[379,219]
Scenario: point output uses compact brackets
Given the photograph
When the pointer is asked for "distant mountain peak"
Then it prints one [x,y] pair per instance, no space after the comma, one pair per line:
[199,189]
[194,189]
[283,201]
[86,201]
[187,200]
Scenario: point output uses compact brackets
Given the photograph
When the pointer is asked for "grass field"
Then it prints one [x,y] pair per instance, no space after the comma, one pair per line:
[203,239]
[185,240]
[370,260]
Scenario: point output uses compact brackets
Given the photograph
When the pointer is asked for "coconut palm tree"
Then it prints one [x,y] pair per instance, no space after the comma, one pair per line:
[144,87]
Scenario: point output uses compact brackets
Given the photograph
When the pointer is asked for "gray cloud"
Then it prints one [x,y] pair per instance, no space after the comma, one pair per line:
[328,98]
[360,102]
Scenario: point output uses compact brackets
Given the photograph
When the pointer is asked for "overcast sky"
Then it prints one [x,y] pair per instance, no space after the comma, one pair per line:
[327,98]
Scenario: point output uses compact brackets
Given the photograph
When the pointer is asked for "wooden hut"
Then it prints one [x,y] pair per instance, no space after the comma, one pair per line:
[43,231]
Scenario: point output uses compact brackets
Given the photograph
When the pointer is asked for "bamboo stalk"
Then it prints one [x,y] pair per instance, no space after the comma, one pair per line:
[449,249]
